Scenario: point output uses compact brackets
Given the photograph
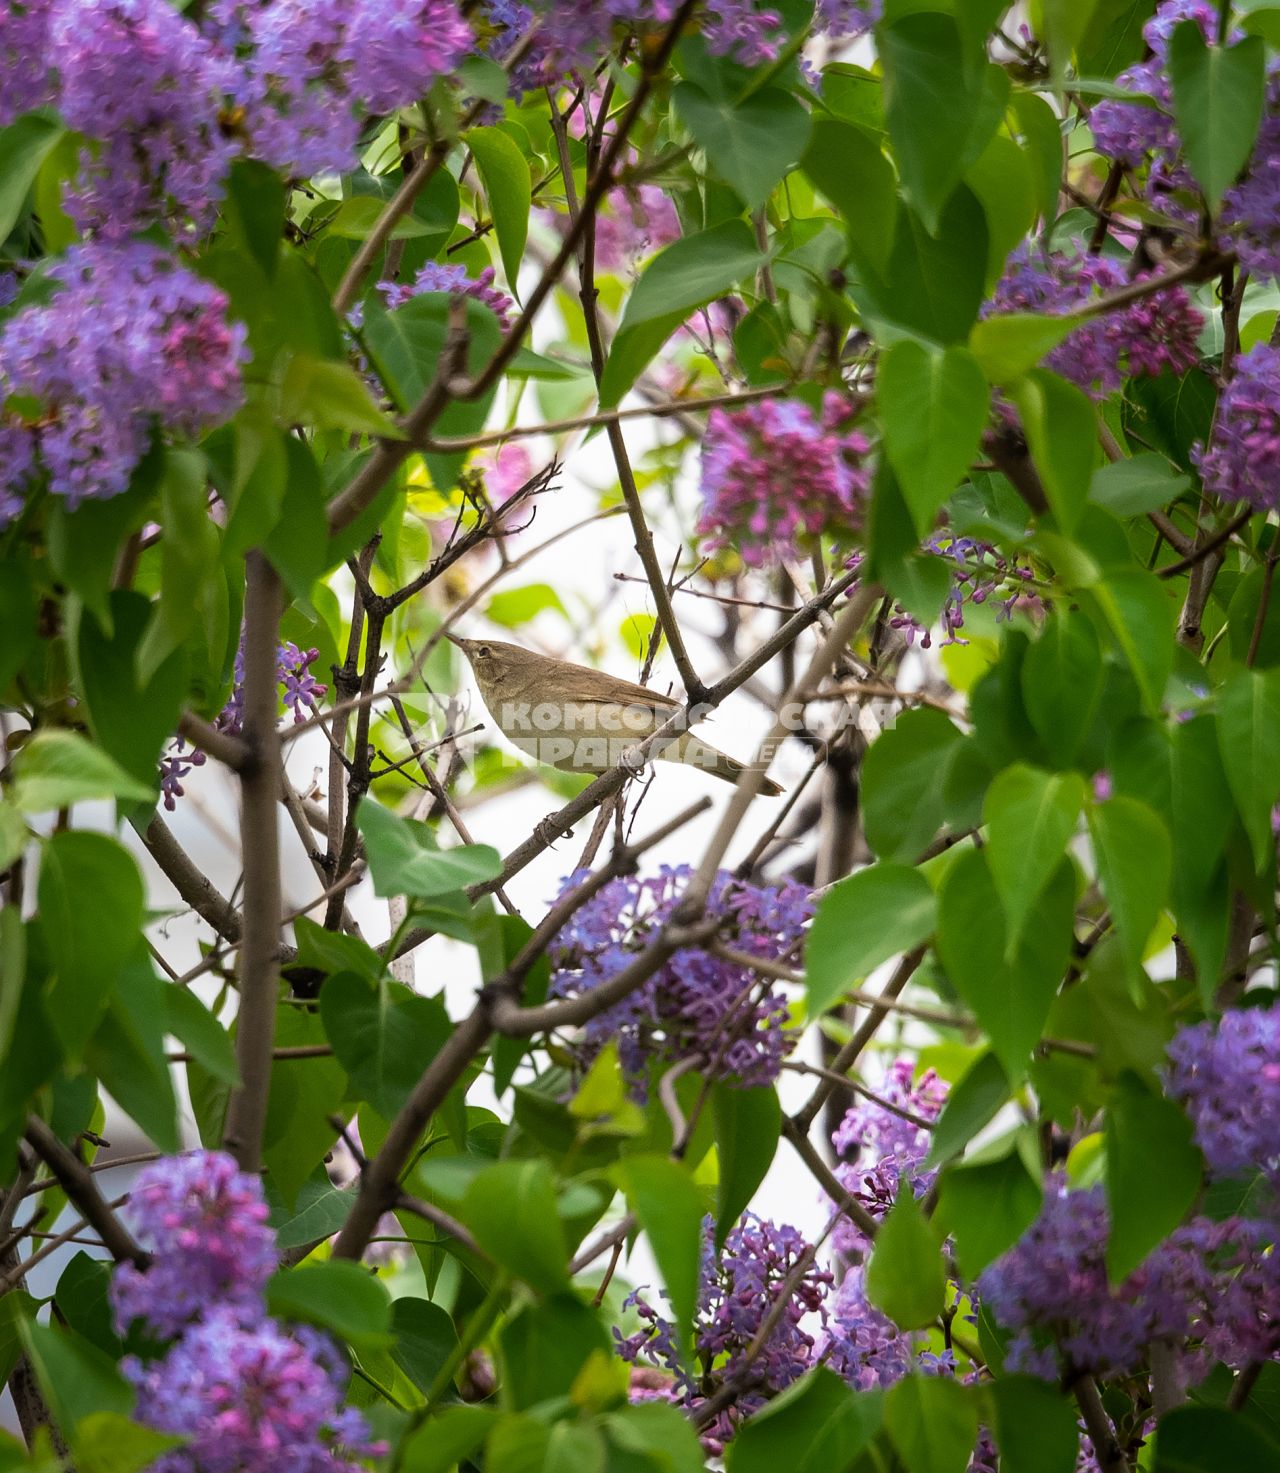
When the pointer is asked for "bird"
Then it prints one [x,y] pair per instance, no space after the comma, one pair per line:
[582,720]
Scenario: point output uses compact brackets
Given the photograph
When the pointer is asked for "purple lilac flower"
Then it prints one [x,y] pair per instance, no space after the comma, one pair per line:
[775,476]
[24,57]
[737,1288]
[845,19]
[177,764]
[864,1345]
[204,1223]
[1051,1290]
[1151,336]
[880,1149]
[17,466]
[252,1397]
[696,1005]
[141,80]
[435,277]
[1251,208]
[1242,462]
[130,340]
[640,220]
[312,66]
[1227,1075]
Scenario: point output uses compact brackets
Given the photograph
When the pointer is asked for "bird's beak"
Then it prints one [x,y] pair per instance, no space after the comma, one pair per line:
[453,639]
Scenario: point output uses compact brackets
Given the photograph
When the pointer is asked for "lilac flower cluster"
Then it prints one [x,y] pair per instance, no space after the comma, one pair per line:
[863,1345]
[696,1005]
[640,219]
[436,277]
[737,1289]
[24,58]
[142,81]
[978,573]
[1211,1291]
[775,476]
[1153,335]
[204,1223]
[310,69]
[883,1145]
[1227,1075]
[130,340]
[1251,208]
[1242,462]
[249,1395]
[300,692]
[572,34]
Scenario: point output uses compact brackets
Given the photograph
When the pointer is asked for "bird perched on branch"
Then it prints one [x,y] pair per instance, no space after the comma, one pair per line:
[579,719]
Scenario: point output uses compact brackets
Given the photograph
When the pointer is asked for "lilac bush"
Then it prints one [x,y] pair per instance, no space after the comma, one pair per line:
[1242,461]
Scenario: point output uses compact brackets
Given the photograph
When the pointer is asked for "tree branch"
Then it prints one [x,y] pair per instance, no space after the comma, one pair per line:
[76,1180]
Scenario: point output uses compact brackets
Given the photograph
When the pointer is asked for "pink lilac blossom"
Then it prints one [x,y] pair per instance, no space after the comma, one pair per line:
[29,83]
[204,1223]
[437,277]
[1227,1075]
[506,469]
[1242,462]
[140,81]
[1153,335]
[131,340]
[846,19]
[252,1396]
[775,476]
[696,1005]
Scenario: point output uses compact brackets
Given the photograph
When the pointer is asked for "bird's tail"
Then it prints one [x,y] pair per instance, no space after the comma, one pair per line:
[696,753]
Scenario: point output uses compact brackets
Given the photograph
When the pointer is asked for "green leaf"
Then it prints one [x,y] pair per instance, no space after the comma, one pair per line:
[127,1054]
[425,1338]
[1194,1439]
[504,173]
[1218,96]
[405,347]
[1012,344]
[932,1422]
[1063,26]
[200,1033]
[77,1379]
[19,615]
[1061,427]
[972,1102]
[1062,681]
[518,605]
[304,1094]
[91,906]
[902,798]
[338,1295]
[404,859]
[1145,1129]
[1042,138]
[689,273]
[24,146]
[331,396]
[931,107]
[1137,606]
[659,1434]
[933,405]
[447,1439]
[817,1425]
[846,163]
[905,1277]
[57,769]
[1035,1426]
[751,143]
[1011,994]
[107,1442]
[545,1347]
[1132,487]
[670,1208]
[1249,739]
[1030,817]
[934,283]
[861,922]
[1135,864]
[1200,817]
[383,1035]
[320,1211]
[748,1123]
[511,1208]
[987,1206]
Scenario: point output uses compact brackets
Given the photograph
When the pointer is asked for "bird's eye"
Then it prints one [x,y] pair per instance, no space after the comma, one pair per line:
[484,652]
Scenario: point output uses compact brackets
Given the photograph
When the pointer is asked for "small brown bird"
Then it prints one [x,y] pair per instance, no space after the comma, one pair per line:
[579,719]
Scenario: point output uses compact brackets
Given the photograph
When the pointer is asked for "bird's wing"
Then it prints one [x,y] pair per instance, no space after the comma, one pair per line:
[581,683]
